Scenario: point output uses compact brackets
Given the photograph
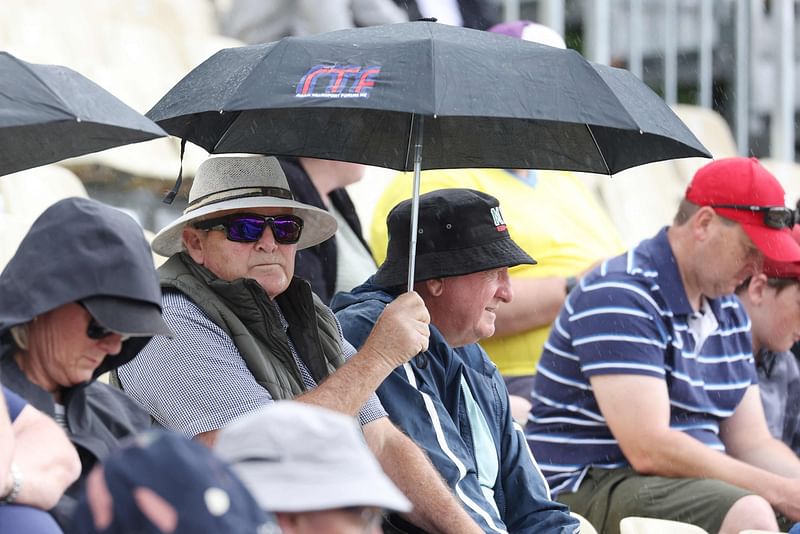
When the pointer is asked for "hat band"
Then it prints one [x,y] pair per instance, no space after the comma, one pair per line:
[243,192]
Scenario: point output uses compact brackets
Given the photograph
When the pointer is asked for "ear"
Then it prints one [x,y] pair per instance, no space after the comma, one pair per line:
[757,288]
[701,222]
[434,287]
[194,241]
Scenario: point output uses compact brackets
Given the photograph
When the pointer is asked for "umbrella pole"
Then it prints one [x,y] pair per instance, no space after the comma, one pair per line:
[416,125]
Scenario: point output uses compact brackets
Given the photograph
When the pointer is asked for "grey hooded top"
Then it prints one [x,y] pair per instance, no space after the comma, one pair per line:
[79,248]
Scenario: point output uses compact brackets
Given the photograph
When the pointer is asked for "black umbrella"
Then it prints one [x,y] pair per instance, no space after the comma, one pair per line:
[376,95]
[49,113]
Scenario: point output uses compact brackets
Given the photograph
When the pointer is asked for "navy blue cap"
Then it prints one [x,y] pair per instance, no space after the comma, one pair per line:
[162,482]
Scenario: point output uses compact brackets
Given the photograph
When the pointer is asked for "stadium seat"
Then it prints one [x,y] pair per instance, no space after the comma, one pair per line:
[712,130]
[643,199]
[649,525]
[28,193]
[586,527]
[788,174]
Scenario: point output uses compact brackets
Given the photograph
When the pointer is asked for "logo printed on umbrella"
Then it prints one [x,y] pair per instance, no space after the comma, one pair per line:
[497,217]
[343,81]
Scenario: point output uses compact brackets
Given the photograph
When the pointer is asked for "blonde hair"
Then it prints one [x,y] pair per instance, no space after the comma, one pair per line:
[19,333]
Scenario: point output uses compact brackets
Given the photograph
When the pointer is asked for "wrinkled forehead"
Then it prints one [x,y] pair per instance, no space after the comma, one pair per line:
[478,278]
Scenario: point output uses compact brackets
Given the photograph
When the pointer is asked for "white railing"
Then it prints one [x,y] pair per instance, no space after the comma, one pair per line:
[776,97]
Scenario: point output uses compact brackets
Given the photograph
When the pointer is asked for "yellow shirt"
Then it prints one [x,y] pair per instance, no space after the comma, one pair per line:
[553,217]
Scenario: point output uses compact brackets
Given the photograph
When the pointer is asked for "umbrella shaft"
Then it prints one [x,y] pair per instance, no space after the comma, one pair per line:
[417,123]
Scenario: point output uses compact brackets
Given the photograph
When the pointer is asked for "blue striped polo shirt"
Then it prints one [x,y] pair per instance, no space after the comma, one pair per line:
[631,316]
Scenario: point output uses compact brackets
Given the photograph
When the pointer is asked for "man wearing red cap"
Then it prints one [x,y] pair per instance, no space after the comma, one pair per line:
[772,300]
[646,401]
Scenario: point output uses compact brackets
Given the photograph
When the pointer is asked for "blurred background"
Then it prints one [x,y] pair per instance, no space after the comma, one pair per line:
[727,67]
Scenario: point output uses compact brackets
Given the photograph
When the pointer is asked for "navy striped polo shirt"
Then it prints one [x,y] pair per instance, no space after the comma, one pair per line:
[631,316]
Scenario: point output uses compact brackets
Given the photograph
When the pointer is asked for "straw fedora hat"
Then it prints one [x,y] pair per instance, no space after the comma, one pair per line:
[239,183]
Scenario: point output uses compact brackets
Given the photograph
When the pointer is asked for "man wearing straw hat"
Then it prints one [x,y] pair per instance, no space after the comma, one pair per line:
[248,332]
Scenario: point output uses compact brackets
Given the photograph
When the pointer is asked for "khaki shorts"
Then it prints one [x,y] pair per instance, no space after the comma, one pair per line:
[607,495]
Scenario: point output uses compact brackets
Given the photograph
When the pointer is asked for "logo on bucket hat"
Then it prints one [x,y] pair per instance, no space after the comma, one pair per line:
[499,222]
[742,190]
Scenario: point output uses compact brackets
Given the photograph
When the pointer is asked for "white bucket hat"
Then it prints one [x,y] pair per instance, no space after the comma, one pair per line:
[238,183]
[295,457]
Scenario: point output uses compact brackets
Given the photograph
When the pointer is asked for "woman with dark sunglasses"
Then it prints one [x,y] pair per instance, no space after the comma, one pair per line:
[79,298]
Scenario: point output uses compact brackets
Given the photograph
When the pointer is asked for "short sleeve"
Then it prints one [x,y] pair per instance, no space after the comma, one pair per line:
[616,328]
[196,382]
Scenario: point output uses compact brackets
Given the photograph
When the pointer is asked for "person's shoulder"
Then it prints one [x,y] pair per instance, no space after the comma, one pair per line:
[732,312]
[621,272]
[474,356]
[619,283]
[177,306]
[172,298]
[117,406]
[362,299]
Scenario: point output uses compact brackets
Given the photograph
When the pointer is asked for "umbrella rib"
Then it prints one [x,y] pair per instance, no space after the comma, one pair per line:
[599,151]
[46,85]
[410,141]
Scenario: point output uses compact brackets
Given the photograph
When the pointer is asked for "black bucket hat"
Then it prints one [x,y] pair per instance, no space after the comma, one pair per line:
[460,231]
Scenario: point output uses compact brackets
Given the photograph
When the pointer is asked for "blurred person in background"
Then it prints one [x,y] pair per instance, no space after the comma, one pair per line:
[477,14]
[772,300]
[343,261]
[80,297]
[312,467]
[260,21]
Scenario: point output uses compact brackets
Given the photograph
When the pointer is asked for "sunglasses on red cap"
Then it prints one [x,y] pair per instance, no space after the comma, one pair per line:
[774,216]
[249,227]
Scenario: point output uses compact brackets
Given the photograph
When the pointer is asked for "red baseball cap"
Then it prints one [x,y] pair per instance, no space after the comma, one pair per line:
[745,182]
[783,269]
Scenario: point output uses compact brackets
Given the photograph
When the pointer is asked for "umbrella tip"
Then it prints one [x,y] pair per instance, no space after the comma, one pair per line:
[169,198]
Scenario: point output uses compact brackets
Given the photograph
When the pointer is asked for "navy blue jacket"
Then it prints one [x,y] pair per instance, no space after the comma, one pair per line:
[428,405]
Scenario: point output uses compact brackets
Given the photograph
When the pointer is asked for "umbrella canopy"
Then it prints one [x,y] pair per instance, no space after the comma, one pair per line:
[49,113]
[487,100]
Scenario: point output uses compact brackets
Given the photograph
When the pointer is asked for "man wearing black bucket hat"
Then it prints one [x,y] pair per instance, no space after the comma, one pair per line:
[248,332]
[454,402]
